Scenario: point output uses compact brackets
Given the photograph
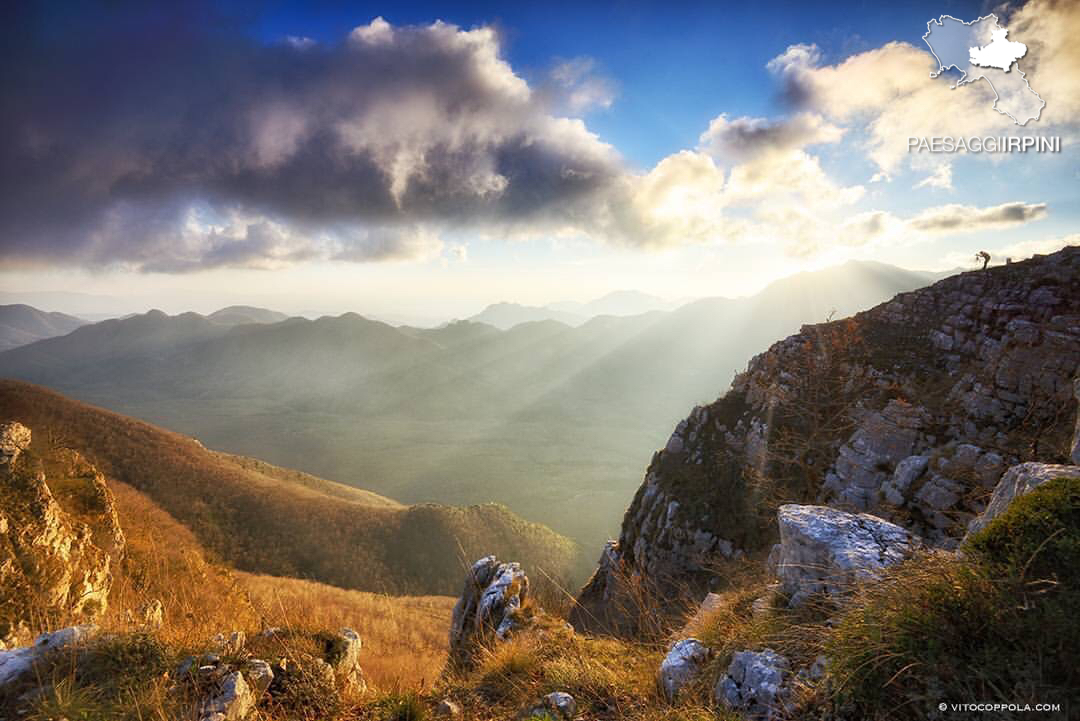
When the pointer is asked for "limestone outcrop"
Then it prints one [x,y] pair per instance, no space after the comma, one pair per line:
[53,561]
[490,606]
[910,411]
[826,551]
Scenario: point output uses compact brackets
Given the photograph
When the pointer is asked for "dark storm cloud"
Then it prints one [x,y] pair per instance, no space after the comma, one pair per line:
[170,140]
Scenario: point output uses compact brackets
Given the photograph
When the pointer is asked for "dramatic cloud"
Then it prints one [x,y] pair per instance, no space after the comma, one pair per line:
[747,138]
[889,92]
[197,147]
[966,218]
[1052,65]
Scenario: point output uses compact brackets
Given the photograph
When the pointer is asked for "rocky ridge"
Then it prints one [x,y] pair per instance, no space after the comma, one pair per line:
[910,411]
[51,562]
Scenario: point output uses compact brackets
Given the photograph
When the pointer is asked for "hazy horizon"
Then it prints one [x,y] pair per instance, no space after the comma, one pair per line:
[95,307]
[418,163]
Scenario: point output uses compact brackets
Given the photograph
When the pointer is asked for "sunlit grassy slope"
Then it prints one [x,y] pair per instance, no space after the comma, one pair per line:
[269,520]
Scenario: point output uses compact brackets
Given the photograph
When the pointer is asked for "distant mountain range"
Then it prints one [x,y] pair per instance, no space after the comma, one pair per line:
[620,303]
[553,420]
[23,324]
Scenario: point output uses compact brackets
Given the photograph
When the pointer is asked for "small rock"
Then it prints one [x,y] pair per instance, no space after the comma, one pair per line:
[682,666]
[757,683]
[346,663]
[907,471]
[232,645]
[152,615]
[561,702]
[556,706]
[446,707]
[259,676]
[233,702]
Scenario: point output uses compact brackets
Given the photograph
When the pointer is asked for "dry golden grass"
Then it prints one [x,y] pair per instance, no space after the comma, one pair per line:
[164,561]
[405,637]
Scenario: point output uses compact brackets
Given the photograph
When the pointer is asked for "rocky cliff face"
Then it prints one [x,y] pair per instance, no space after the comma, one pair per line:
[55,560]
[910,411]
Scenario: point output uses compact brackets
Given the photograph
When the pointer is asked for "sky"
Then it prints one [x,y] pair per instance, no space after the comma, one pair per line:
[419,161]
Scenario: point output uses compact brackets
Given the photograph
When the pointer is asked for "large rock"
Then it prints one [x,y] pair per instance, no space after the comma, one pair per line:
[825,550]
[1017,481]
[50,561]
[757,683]
[682,666]
[489,607]
[18,664]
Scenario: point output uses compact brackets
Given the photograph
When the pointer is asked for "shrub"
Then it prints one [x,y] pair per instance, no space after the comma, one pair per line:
[998,626]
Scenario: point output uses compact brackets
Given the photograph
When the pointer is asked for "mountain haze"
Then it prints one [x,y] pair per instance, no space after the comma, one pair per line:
[273,520]
[543,417]
[619,303]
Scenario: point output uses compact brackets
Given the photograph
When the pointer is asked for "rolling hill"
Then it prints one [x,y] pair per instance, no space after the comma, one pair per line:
[271,520]
[542,417]
[23,324]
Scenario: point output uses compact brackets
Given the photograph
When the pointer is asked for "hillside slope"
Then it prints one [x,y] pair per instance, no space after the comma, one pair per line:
[23,324]
[270,520]
[911,411]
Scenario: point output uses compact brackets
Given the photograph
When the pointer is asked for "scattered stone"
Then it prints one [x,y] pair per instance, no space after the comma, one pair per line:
[682,666]
[233,702]
[20,662]
[561,702]
[814,672]
[446,707]
[259,676]
[489,606]
[231,646]
[710,603]
[346,661]
[1017,481]
[757,684]
[824,550]
[556,706]
[151,615]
